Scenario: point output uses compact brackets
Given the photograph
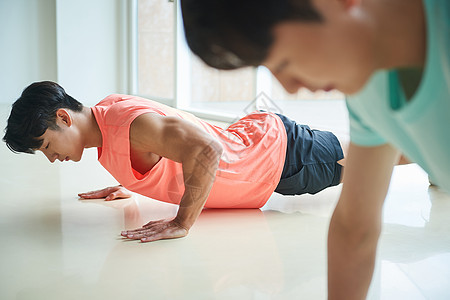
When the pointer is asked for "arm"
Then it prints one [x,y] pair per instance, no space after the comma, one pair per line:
[197,151]
[356,222]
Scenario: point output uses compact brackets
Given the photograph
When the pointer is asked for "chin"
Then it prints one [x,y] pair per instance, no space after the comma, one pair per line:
[350,91]
[356,86]
[75,159]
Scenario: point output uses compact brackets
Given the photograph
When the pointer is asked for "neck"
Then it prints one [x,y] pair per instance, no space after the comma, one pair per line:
[401,32]
[89,128]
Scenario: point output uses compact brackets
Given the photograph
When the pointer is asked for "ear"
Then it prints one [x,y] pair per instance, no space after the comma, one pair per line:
[63,117]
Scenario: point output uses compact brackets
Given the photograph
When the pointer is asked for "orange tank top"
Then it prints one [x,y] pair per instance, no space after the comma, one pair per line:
[249,169]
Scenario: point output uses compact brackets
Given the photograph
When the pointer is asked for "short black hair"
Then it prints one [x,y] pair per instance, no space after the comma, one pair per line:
[229,34]
[33,113]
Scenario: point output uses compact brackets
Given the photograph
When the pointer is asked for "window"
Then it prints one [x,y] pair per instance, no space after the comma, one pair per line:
[156,49]
[167,71]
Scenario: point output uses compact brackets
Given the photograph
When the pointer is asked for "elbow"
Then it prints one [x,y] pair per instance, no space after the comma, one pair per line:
[203,160]
[212,151]
[216,147]
[356,231]
[207,151]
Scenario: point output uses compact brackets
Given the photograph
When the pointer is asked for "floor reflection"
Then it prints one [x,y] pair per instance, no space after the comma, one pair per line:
[277,252]
[55,246]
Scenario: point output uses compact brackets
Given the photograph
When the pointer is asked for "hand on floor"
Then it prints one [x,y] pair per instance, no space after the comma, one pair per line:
[156,230]
[109,193]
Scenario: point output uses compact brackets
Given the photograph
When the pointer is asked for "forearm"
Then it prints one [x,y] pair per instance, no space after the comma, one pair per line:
[351,258]
[199,173]
[356,223]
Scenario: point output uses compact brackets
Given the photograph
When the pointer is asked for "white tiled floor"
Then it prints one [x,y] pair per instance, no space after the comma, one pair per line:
[55,246]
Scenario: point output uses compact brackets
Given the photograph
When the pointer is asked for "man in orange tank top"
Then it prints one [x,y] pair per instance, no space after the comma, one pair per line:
[172,156]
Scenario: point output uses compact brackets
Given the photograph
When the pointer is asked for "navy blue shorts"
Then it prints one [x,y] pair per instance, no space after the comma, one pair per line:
[311,160]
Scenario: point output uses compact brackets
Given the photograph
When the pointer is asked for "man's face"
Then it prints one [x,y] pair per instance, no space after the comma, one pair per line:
[62,144]
[335,54]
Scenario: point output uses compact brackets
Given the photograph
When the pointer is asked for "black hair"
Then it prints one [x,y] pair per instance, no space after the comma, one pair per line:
[33,113]
[229,34]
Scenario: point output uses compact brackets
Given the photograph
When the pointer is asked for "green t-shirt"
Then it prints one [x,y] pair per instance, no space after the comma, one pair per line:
[419,126]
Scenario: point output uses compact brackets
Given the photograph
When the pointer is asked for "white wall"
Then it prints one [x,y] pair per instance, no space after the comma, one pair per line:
[27,45]
[77,43]
[89,42]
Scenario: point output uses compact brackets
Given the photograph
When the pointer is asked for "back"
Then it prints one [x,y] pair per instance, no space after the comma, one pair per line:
[249,169]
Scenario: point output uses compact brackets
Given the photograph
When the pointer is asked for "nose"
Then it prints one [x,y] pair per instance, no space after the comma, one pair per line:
[289,84]
[51,157]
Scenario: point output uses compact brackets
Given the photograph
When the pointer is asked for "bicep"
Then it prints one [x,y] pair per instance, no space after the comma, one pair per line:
[366,180]
[170,137]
